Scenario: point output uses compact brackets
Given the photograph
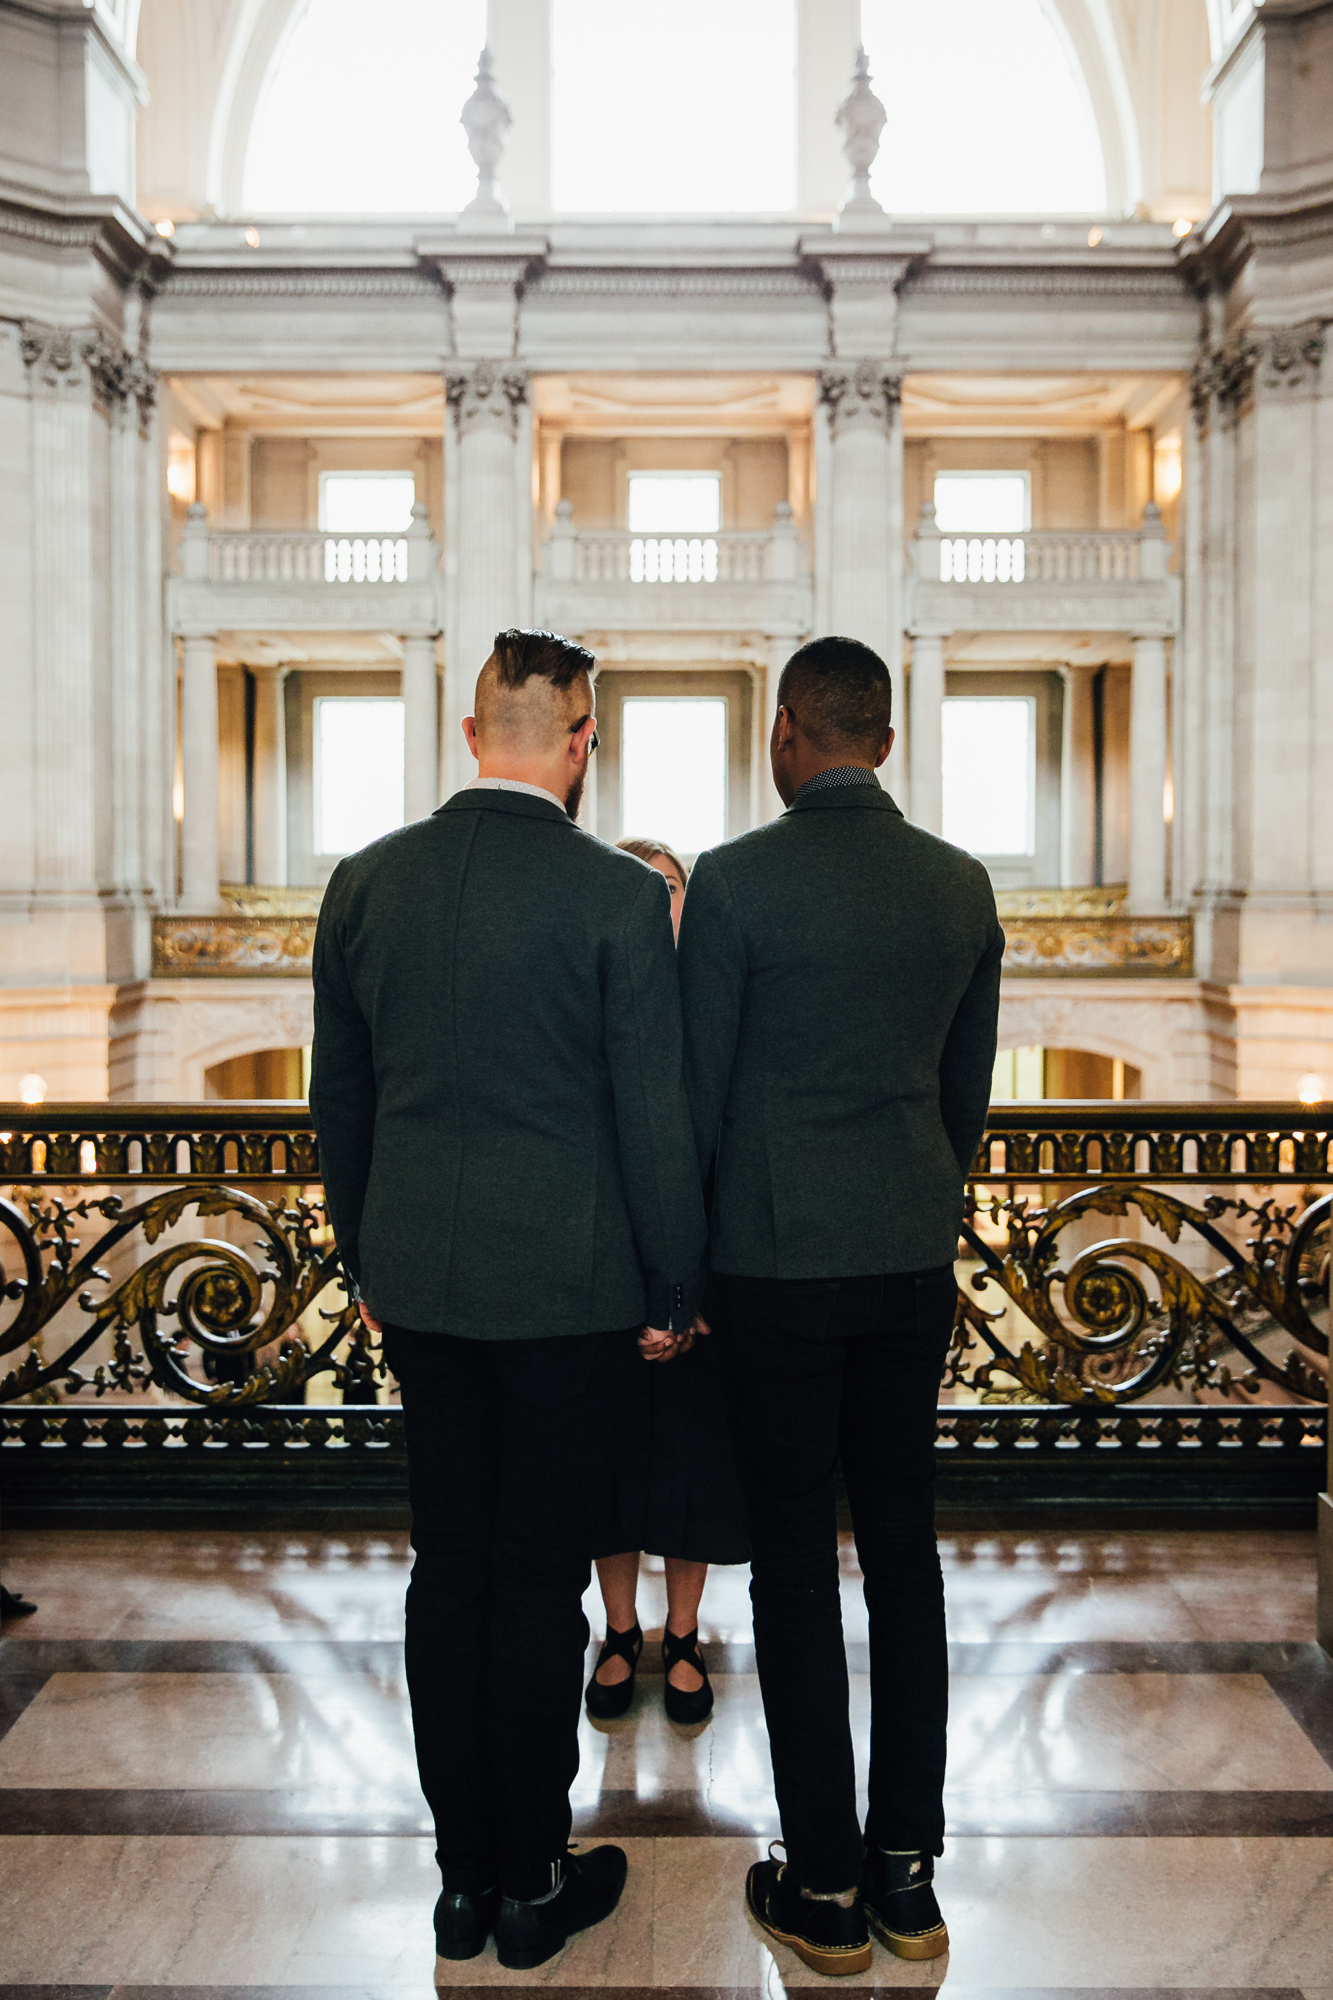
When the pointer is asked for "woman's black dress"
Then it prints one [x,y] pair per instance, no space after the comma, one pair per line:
[676,1489]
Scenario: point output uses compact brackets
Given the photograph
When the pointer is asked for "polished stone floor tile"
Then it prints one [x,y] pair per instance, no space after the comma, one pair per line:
[1166,1913]
[344,1733]
[1130,1732]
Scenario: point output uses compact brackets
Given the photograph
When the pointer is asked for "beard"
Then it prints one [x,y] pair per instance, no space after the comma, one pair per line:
[574,796]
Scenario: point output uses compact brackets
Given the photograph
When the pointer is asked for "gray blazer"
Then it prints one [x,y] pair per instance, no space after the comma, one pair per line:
[503,1130]
[840,972]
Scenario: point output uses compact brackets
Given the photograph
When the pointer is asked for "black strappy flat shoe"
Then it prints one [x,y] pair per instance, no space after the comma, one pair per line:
[603,1703]
[681,1706]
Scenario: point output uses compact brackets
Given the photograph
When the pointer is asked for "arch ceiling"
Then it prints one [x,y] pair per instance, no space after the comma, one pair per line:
[208,61]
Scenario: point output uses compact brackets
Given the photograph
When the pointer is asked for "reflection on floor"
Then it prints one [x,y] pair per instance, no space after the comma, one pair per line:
[207,1787]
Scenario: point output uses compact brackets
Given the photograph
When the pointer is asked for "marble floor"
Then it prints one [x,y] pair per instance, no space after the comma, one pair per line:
[207,1786]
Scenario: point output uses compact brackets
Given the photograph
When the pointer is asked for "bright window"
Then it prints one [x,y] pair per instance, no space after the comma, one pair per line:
[675,503]
[366,503]
[673,771]
[690,109]
[360,113]
[988,111]
[982,503]
[990,776]
[358,770]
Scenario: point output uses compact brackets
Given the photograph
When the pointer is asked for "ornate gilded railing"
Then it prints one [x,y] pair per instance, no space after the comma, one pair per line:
[1087,1277]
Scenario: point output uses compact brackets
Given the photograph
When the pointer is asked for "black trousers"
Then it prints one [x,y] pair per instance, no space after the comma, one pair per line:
[815,1371]
[508,1447]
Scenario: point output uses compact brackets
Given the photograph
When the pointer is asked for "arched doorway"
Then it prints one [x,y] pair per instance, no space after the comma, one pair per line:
[1030,1074]
[276,1073]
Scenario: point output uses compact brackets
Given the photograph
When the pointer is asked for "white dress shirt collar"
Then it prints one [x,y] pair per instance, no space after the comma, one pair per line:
[513,785]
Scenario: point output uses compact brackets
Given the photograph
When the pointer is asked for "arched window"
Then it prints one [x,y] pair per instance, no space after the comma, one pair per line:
[987,110]
[688,109]
[360,114]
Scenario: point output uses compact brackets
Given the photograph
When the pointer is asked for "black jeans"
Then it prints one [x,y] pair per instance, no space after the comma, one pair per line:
[816,1370]
[508,1456]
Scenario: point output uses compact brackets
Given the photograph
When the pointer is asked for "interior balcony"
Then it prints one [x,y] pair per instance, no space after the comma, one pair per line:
[616,580]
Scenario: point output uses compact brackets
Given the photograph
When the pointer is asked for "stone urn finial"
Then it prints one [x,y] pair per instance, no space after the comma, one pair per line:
[861,118]
[486,119]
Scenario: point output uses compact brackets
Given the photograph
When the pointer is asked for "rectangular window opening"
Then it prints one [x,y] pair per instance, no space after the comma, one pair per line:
[359,752]
[675,503]
[990,773]
[673,770]
[983,503]
[366,503]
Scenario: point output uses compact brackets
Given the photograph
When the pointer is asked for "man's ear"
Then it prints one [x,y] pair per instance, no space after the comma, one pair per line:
[470,732]
[885,748]
[785,731]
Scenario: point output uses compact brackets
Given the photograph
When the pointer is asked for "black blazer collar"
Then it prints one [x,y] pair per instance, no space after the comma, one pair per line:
[522,803]
[845,798]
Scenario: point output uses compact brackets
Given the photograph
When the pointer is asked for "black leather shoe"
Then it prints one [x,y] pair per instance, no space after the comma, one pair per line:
[899,1897]
[463,1923]
[527,1934]
[606,1703]
[14,1606]
[681,1705]
[824,1935]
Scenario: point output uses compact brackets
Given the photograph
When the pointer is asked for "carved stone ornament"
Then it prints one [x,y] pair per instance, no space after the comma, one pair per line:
[1282,358]
[486,119]
[861,118]
[859,392]
[489,392]
[62,357]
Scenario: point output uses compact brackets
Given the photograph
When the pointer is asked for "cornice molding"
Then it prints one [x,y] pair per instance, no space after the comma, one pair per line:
[1030,281]
[301,284]
[594,281]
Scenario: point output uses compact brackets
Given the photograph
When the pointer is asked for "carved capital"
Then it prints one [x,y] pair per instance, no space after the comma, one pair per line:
[1291,355]
[860,392]
[488,393]
[62,357]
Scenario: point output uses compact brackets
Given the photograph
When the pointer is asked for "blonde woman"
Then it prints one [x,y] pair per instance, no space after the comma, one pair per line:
[676,1495]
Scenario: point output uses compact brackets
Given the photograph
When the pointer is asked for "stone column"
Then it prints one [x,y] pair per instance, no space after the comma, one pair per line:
[926,735]
[1147,778]
[268,798]
[865,514]
[199,760]
[480,534]
[1078,786]
[421,783]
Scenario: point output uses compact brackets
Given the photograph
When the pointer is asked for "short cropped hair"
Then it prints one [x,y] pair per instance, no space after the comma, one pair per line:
[841,694]
[655,850]
[523,656]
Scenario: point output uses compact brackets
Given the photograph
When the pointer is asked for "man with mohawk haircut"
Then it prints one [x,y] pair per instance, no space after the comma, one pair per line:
[512,1179]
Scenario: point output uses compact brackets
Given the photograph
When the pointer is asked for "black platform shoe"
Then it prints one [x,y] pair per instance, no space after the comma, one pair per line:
[605,1703]
[589,1886]
[14,1606]
[899,1896]
[824,1935]
[680,1705]
[463,1923]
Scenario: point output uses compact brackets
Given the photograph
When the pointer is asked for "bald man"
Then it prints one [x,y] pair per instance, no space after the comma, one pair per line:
[512,1179]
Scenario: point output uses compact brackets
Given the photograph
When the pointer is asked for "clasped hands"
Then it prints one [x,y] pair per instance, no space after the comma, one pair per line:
[659,1344]
[656,1343]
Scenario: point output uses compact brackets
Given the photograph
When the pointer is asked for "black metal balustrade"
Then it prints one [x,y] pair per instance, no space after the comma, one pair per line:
[134,1335]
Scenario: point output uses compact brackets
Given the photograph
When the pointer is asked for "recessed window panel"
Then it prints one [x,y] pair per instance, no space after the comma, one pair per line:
[673,771]
[990,777]
[988,110]
[981,503]
[360,111]
[675,503]
[358,770]
[686,110]
[366,503]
